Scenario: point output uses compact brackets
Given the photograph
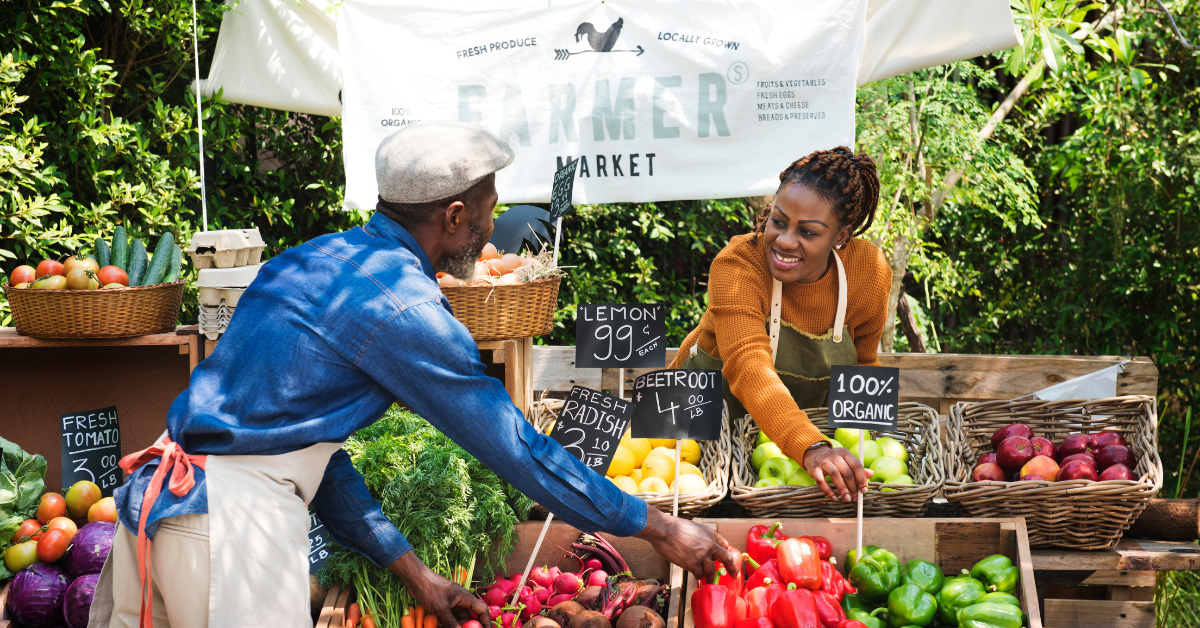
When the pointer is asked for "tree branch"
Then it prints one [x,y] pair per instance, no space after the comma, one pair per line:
[1175,28]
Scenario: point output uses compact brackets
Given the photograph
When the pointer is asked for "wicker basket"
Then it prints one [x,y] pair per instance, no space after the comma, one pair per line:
[521,310]
[916,427]
[107,313]
[714,464]
[1075,514]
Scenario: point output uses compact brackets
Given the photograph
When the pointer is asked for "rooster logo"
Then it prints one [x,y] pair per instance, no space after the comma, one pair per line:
[600,41]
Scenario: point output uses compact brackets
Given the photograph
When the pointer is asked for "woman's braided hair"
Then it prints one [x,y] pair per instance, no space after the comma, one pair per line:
[849,182]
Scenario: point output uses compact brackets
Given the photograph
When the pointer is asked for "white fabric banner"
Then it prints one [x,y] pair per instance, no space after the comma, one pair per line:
[658,100]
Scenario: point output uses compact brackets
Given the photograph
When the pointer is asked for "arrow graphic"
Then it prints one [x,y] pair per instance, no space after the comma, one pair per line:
[562,54]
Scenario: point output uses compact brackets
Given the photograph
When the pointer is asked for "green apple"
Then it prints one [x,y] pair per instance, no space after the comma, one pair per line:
[762,438]
[899,479]
[765,482]
[894,448]
[870,451]
[848,437]
[832,443]
[801,478]
[886,467]
[762,453]
[781,468]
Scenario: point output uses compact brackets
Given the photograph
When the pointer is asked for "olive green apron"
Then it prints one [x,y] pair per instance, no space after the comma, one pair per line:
[801,360]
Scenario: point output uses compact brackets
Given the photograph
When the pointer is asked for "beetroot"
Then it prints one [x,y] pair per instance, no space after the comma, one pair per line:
[597,578]
[589,598]
[495,597]
[541,576]
[646,592]
[543,595]
[640,617]
[540,622]
[567,583]
[563,612]
[589,619]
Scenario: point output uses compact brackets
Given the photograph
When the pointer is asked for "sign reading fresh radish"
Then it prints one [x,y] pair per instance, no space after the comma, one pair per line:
[590,426]
[864,397]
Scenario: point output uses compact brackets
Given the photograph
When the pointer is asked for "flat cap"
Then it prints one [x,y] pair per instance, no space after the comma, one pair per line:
[432,160]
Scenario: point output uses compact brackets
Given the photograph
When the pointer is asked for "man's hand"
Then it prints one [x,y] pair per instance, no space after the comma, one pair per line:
[842,467]
[688,544]
[447,600]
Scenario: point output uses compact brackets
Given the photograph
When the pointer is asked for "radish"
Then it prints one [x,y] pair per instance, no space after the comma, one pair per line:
[541,576]
[597,578]
[554,571]
[593,565]
[495,597]
[532,607]
[516,578]
[471,623]
[543,595]
[555,600]
[526,591]
[494,612]
[506,587]
[567,583]
[508,620]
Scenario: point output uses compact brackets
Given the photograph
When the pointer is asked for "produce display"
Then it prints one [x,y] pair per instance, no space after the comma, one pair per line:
[122,265]
[886,456]
[792,582]
[647,465]
[1021,456]
[496,268]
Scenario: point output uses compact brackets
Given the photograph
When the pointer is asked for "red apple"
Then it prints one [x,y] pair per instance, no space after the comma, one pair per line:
[1118,472]
[1088,458]
[988,472]
[1106,438]
[1033,477]
[1044,447]
[1008,431]
[1013,477]
[1077,444]
[1014,452]
[1043,466]
[1078,470]
[1113,454]
[987,458]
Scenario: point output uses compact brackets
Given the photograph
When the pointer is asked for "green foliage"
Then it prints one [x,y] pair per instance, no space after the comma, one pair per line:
[1177,599]
[22,480]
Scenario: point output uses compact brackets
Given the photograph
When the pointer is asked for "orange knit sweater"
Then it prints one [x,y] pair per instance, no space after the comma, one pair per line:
[734,327]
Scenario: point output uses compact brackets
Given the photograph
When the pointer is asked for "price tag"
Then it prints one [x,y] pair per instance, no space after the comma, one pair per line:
[91,449]
[590,425]
[864,397]
[626,335]
[560,192]
[318,546]
[678,403]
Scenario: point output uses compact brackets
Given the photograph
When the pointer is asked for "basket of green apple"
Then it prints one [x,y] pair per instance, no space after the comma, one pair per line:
[909,464]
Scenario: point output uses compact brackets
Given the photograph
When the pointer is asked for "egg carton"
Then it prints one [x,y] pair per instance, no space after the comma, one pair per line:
[221,296]
[239,277]
[227,248]
[214,320]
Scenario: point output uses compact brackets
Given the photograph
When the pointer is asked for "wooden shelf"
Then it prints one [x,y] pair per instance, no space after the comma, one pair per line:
[10,338]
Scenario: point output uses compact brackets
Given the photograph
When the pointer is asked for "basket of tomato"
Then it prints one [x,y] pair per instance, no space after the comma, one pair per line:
[119,292]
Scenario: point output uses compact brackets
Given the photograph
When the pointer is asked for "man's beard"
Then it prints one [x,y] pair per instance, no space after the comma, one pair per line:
[462,263]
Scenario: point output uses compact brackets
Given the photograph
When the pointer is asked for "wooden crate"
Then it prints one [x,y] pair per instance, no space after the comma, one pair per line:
[643,561]
[952,544]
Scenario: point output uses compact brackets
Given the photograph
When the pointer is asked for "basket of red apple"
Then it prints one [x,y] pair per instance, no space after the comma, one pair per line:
[1079,471]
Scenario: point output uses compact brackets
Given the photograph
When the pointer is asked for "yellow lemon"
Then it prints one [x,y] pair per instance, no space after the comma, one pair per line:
[669,443]
[690,484]
[690,451]
[670,453]
[625,483]
[622,462]
[659,466]
[640,448]
[688,468]
[652,485]
[636,474]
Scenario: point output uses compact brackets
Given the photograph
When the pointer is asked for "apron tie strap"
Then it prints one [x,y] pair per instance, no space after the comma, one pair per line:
[181,467]
[839,320]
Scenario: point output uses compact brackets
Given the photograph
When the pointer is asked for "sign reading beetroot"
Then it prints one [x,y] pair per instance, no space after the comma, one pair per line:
[864,397]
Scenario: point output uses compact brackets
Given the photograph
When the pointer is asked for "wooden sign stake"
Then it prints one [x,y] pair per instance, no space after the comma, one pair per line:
[557,233]
[532,557]
[675,484]
[861,437]
[621,376]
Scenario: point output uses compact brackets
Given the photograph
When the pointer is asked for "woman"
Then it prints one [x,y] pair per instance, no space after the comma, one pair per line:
[787,302]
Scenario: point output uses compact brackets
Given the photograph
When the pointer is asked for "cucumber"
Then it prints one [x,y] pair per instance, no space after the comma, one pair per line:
[103,253]
[162,259]
[175,266]
[137,263]
[120,249]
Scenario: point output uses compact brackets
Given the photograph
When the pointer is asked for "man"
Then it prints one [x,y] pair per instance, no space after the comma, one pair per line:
[213,519]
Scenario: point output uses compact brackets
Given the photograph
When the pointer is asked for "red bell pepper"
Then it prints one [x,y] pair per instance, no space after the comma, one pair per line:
[755,622]
[831,580]
[796,608]
[764,574]
[824,547]
[724,579]
[851,623]
[799,563]
[828,609]
[847,588]
[714,606]
[759,601]
[761,542]
[739,609]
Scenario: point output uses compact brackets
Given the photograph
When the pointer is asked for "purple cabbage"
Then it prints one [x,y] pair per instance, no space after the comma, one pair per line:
[36,596]
[90,548]
[78,600]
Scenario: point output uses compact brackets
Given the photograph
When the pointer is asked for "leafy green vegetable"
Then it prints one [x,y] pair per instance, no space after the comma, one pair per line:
[449,506]
[22,480]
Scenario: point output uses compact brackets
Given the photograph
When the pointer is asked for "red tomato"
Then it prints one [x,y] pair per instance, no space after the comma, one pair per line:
[82,279]
[80,498]
[50,267]
[22,274]
[64,524]
[52,505]
[103,510]
[53,545]
[31,528]
[81,261]
[112,274]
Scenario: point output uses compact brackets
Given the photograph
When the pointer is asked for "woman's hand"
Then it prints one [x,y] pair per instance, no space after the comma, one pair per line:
[842,467]
[439,596]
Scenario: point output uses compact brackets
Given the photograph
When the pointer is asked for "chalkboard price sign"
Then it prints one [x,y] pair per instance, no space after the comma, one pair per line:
[864,397]
[91,449]
[318,543]
[590,426]
[678,403]
[628,335]
[560,192]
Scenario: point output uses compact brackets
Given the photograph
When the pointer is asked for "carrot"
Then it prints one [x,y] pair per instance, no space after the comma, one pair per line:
[405,622]
[353,615]
[417,621]
[367,622]
[431,621]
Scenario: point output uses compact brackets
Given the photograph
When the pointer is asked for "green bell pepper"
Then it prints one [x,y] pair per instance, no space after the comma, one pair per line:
[852,602]
[997,597]
[924,574]
[990,615]
[997,573]
[910,605]
[875,575]
[957,593]
[852,556]
[869,618]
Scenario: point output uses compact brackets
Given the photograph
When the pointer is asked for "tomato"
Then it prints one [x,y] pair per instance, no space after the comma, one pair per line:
[53,545]
[64,524]
[103,510]
[22,274]
[52,505]
[31,528]
[81,497]
[112,274]
[21,285]
[21,555]
[115,285]
[50,282]
[50,267]
[81,261]
[82,279]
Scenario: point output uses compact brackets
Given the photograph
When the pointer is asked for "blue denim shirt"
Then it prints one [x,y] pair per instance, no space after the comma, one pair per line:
[327,337]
